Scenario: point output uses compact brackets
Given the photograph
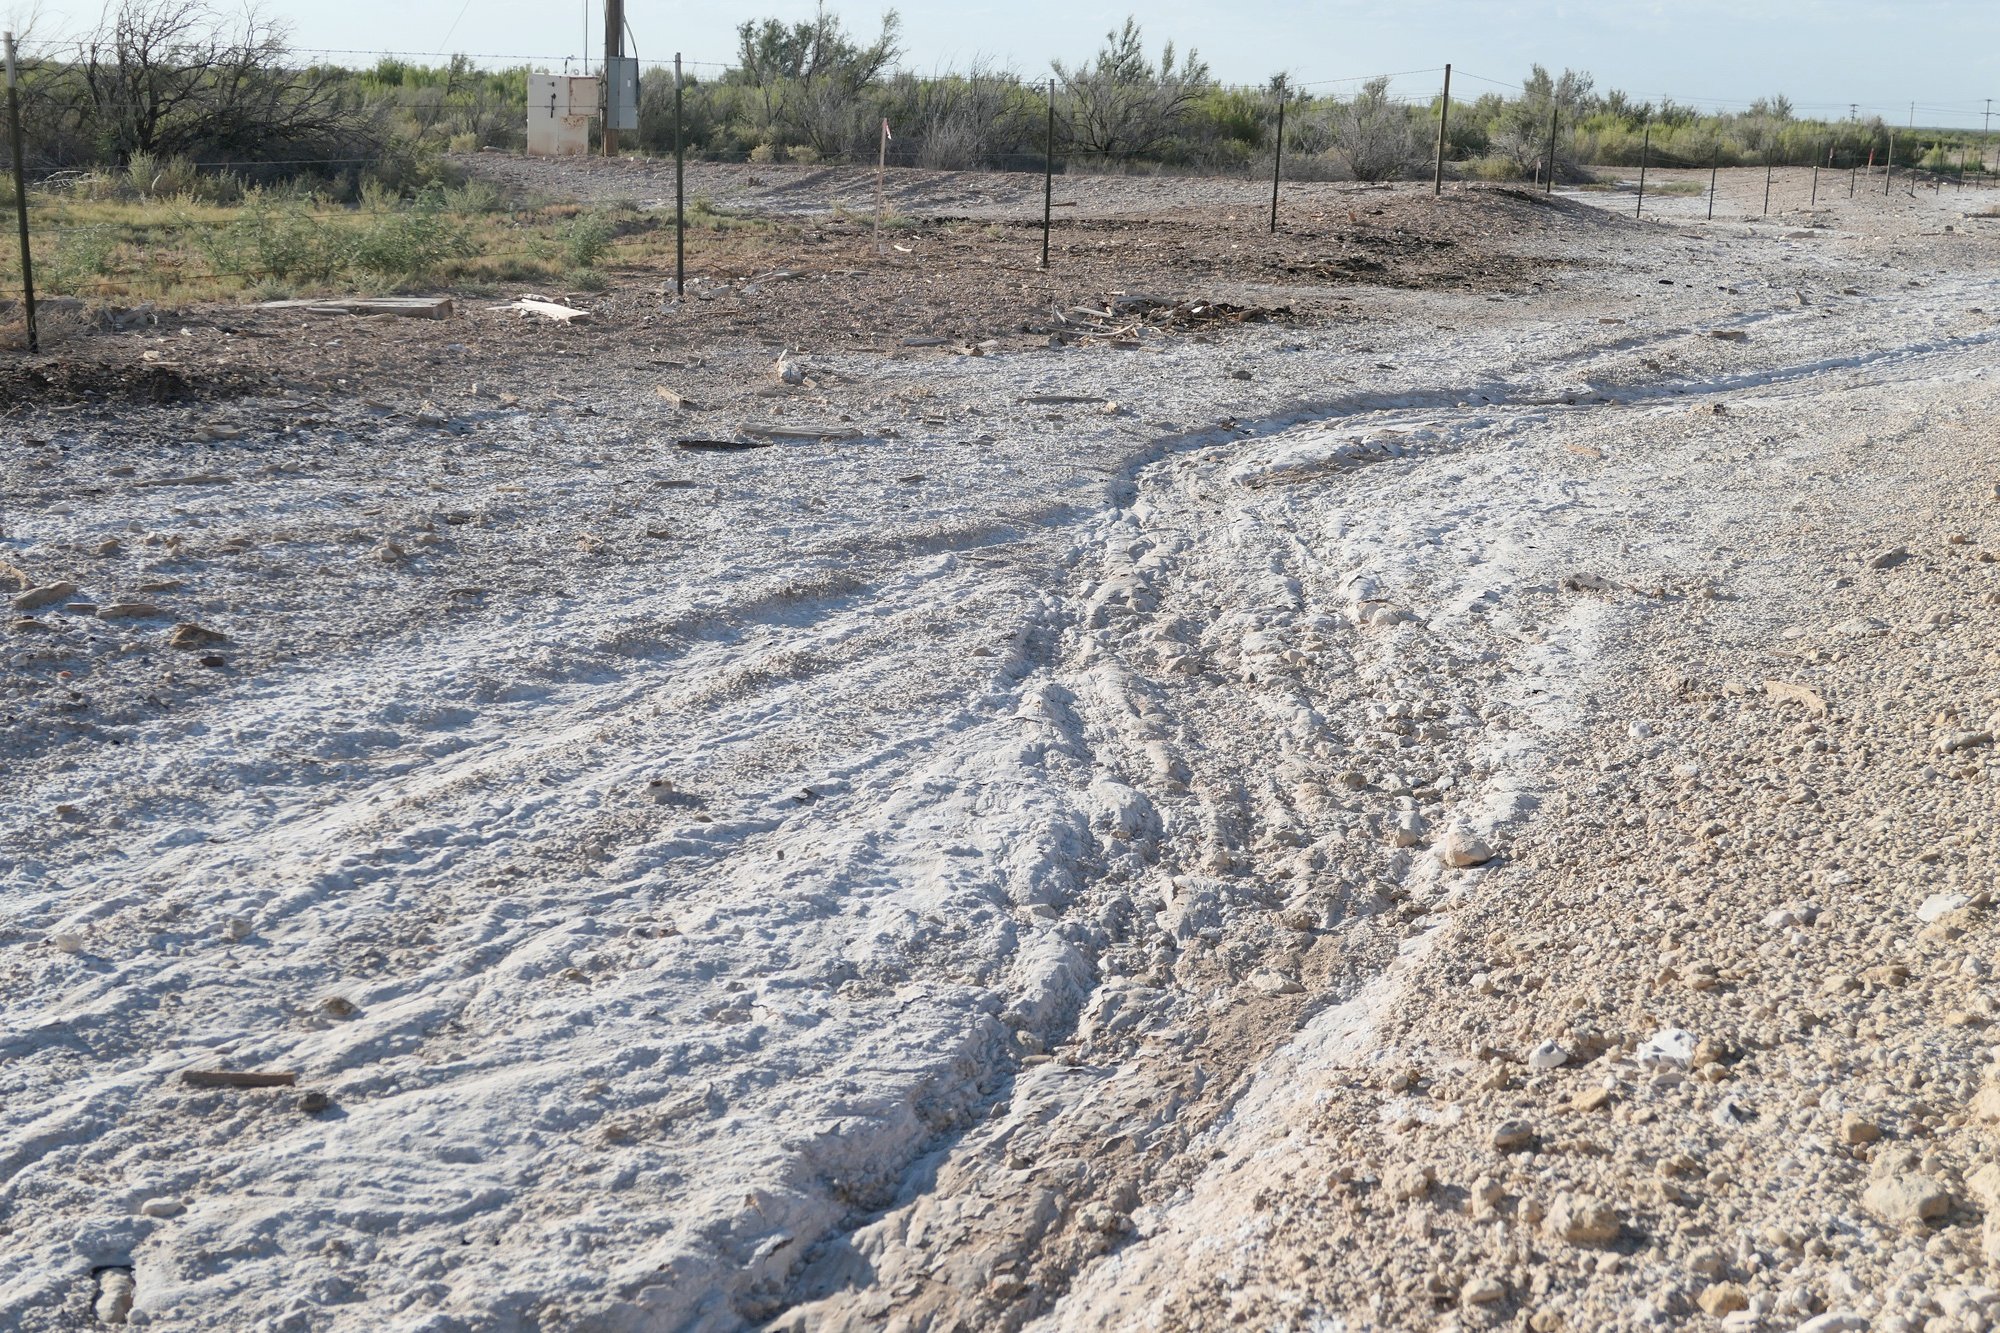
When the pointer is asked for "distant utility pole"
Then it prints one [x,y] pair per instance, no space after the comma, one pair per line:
[1913,115]
[1854,110]
[614,47]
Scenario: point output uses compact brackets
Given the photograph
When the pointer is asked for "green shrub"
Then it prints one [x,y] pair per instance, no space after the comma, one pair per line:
[585,239]
[413,242]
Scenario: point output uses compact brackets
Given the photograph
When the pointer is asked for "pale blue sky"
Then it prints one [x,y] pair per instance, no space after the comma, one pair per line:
[1824,54]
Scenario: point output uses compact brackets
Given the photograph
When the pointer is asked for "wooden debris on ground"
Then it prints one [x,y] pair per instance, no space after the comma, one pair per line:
[238,1078]
[713,446]
[406,307]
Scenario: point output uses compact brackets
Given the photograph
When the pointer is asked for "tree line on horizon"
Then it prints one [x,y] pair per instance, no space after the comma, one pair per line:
[214,93]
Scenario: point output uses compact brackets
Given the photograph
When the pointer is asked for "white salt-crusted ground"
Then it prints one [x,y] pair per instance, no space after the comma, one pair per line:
[982,851]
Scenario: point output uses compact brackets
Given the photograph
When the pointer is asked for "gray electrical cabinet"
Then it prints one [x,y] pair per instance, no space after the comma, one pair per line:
[621,93]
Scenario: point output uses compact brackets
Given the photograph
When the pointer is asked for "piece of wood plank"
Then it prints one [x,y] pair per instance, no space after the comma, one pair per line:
[408,307]
[717,446]
[238,1078]
[676,400]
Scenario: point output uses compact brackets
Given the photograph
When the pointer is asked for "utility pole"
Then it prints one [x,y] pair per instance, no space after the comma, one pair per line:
[614,47]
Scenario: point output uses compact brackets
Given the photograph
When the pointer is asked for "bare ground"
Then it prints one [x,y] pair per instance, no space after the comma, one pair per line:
[1464,801]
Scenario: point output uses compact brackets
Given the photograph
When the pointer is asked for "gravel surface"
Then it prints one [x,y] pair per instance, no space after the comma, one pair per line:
[1450,803]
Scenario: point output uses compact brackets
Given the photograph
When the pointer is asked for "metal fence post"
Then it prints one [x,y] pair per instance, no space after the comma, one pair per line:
[680,190]
[1645,153]
[1714,169]
[1555,111]
[1278,156]
[21,198]
[1444,121]
[1767,183]
[1049,175]
[1889,167]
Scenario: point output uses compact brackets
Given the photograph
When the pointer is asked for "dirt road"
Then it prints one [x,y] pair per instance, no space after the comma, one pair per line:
[1443,809]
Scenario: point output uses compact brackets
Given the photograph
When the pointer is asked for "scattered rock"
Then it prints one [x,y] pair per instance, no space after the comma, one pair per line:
[314,1102]
[1462,848]
[1858,1129]
[34,599]
[1581,1219]
[128,611]
[1906,1200]
[162,1207]
[1963,740]
[115,1291]
[67,942]
[1594,1098]
[1548,1055]
[1723,1298]
[1482,1291]
[1941,905]
[1407,1183]
[338,1006]
[1268,981]
[1512,1135]
[1890,558]
[189,635]
[1669,1048]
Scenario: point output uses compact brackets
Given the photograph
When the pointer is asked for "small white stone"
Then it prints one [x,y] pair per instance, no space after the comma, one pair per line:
[1669,1048]
[67,941]
[235,928]
[1941,904]
[162,1207]
[1639,731]
[1548,1055]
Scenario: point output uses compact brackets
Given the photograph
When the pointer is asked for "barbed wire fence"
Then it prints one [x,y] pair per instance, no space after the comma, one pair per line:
[1299,154]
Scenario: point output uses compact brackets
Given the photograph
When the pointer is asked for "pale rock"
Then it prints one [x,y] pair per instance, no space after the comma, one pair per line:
[1953,742]
[1268,981]
[1862,627]
[235,928]
[162,1207]
[34,599]
[1858,1129]
[1669,1048]
[1723,1298]
[1482,1291]
[1941,904]
[67,942]
[1461,848]
[1890,558]
[1548,1055]
[1485,1196]
[115,1291]
[1706,1261]
[1409,1183]
[1408,830]
[1512,1135]
[1581,1219]
[1906,1200]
